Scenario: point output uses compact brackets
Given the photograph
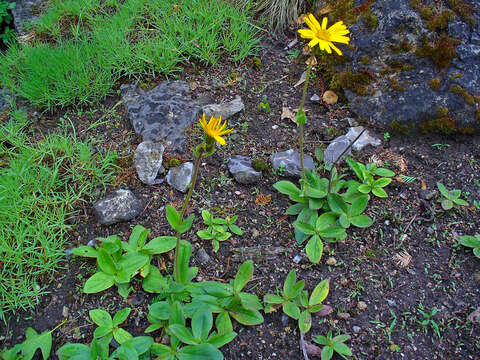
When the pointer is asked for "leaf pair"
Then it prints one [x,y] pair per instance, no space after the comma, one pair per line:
[450,198]
[365,173]
[471,242]
[175,220]
[217,229]
[108,327]
[333,344]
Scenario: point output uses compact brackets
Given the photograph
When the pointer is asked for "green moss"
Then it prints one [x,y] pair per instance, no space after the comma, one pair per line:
[395,84]
[443,122]
[477,114]
[173,162]
[435,84]
[427,12]
[455,76]
[440,22]
[259,165]
[467,130]
[355,82]
[441,52]
[257,62]
[365,60]
[397,127]
[370,20]
[463,10]
[396,66]
[346,11]
[415,4]
[467,97]
[403,47]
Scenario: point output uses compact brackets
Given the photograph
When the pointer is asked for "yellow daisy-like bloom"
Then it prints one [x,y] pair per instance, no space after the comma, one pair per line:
[215,129]
[324,37]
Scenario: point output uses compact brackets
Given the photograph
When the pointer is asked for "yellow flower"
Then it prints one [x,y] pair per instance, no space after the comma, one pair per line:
[214,128]
[324,37]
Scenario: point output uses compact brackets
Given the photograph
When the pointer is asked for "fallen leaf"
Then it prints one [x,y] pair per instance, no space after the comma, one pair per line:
[330,97]
[263,199]
[424,185]
[306,50]
[474,317]
[313,350]
[193,85]
[324,11]
[403,259]
[314,62]
[324,311]
[288,114]
[303,77]
[301,19]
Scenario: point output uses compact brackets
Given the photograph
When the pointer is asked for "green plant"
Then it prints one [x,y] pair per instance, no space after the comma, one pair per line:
[5,20]
[450,198]
[217,229]
[41,185]
[293,298]
[264,105]
[428,320]
[118,261]
[441,146]
[33,342]
[386,136]
[333,344]
[108,327]
[366,173]
[471,242]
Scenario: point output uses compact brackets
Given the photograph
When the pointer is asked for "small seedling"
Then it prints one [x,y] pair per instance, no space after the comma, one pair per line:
[217,229]
[108,327]
[471,242]
[333,344]
[428,320]
[386,137]
[450,198]
[441,146]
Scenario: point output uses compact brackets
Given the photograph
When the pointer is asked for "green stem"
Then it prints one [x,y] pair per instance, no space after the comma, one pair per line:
[184,208]
[304,94]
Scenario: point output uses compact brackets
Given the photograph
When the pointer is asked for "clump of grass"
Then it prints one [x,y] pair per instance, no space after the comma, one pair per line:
[40,184]
[83,47]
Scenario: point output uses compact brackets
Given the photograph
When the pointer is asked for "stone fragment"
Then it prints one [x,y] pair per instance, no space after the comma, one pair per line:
[343,316]
[241,169]
[24,12]
[362,141]
[289,161]
[335,149]
[331,261]
[162,113]
[148,161]
[180,177]
[315,98]
[4,100]
[122,205]
[357,329]
[202,256]
[362,305]
[225,110]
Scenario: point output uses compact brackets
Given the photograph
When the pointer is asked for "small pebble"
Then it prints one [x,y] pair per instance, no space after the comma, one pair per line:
[331,261]
[430,230]
[476,276]
[297,259]
[284,320]
[238,192]
[357,329]
[344,316]
[315,98]
[362,305]
[274,127]
[91,243]
[255,233]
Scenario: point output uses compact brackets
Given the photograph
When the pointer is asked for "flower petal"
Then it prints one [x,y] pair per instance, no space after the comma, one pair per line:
[314,21]
[337,50]
[309,23]
[219,139]
[313,42]
[340,39]
[324,23]
[306,33]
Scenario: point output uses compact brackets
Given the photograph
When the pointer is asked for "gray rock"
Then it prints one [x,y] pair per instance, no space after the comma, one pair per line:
[122,205]
[241,169]
[290,162]
[413,101]
[297,259]
[224,110]
[180,177]
[356,329]
[24,12]
[4,100]
[162,113]
[148,161]
[315,98]
[362,141]
[427,194]
[335,149]
[202,256]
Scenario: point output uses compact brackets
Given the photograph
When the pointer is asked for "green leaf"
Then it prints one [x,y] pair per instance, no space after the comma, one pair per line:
[130,263]
[384,172]
[359,204]
[183,333]
[341,348]
[235,229]
[455,194]
[272,299]
[69,350]
[223,236]
[207,217]
[325,220]
[98,282]
[382,182]
[361,221]
[173,217]
[244,316]
[101,318]
[205,234]
[101,331]
[327,353]
[322,340]
[295,209]
[286,187]
[36,341]
[186,224]
[304,227]
[199,352]
[443,190]
[337,204]
[447,204]
[301,117]
[336,232]
[364,188]
[202,322]
[121,335]
[379,192]
[218,340]
[344,221]
[314,249]
[85,251]
[223,323]
[316,204]
[319,154]
[164,352]
[289,283]
[121,316]
[243,276]
[291,309]
[460,202]
[316,193]
[320,293]
[105,262]
[160,245]
[476,252]
[141,344]
[341,338]
[138,237]
[305,321]
[469,241]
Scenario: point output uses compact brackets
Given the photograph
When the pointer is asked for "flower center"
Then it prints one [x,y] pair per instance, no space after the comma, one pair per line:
[323,34]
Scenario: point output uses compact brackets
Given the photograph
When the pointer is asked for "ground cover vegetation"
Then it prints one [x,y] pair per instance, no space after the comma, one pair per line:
[169,309]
